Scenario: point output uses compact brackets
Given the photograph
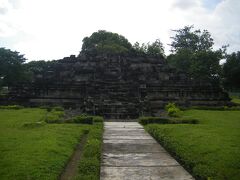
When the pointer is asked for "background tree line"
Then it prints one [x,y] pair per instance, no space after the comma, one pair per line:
[191,52]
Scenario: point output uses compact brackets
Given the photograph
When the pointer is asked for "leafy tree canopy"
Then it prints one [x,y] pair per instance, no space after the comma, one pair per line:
[231,71]
[11,68]
[192,53]
[193,40]
[103,42]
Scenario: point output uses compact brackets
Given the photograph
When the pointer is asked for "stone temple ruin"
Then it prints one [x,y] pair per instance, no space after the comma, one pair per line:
[115,87]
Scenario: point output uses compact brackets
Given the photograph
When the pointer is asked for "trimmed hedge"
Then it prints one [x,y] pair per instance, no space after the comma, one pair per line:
[82,119]
[16,107]
[162,120]
[212,108]
[54,116]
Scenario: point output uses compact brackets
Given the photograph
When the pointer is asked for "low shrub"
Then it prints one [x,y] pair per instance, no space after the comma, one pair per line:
[151,120]
[173,110]
[58,108]
[170,105]
[97,118]
[12,107]
[54,116]
[58,113]
[82,119]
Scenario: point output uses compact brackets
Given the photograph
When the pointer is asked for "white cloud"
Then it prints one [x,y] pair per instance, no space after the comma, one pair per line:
[54,29]
[224,24]
[186,4]
[4,6]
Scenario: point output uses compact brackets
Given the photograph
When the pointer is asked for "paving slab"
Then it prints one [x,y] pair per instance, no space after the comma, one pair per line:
[133,132]
[144,173]
[125,126]
[122,123]
[134,147]
[130,141]
[125,132]
[138,159]
[130,153]
[127,137]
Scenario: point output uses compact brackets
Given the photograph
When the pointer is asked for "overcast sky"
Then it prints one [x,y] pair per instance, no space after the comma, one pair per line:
[53,29]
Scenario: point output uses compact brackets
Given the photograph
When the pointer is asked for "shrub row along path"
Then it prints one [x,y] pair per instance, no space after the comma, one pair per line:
[130,153]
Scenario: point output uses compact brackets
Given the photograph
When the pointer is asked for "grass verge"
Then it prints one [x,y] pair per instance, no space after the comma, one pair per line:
[209,149]
[32,149]
[89,165]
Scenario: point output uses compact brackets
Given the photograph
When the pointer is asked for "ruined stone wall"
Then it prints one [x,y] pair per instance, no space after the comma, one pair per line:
[116,87]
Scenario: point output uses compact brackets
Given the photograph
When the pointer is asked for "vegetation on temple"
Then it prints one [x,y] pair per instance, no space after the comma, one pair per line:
[154,49]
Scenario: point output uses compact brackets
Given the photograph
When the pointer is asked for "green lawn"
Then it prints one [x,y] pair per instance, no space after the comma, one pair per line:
[39,152]
[209,149]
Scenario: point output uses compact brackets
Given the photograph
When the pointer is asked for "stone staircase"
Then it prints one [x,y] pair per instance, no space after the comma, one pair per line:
[120,102]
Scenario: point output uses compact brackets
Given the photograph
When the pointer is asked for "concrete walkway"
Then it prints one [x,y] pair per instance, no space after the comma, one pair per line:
[129,153]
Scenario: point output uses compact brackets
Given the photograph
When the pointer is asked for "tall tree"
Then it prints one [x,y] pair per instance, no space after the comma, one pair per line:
[11,68]
[192,52]
[103,42]
[231,71]
[192,40]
